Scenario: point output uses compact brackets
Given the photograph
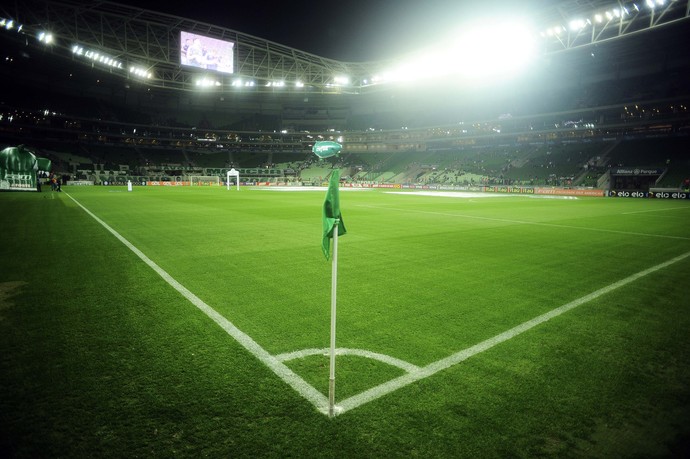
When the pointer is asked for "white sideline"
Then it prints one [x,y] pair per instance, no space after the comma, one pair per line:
[305,389]
[414,373]
[654,210]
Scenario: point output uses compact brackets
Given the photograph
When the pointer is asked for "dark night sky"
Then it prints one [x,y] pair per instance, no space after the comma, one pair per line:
[347,30]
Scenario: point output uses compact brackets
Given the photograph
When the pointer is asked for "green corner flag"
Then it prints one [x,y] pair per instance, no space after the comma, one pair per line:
[331,213]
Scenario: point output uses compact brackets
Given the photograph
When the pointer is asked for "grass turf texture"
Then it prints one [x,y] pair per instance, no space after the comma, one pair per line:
[101,357]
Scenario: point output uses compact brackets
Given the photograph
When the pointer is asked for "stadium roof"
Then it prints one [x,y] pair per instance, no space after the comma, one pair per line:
[142,43]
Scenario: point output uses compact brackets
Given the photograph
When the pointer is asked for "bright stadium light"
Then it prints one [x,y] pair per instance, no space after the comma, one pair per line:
[502,49]
[140,72]
[577,24]
[477,53]
[341,80]
[206,82]
[45,37]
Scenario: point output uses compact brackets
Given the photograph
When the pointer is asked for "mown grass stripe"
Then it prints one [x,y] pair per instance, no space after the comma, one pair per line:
[525,222]
[447,362]
[279,368]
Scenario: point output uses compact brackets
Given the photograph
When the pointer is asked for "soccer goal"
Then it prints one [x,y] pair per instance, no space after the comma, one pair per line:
[204,180]
[233,173]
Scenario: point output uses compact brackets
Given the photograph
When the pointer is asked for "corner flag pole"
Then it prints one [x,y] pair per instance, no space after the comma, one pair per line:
[334,286]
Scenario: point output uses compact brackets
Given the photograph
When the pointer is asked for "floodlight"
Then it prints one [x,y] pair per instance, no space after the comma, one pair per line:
[9,25]
[205,82]
[140,72]
[577,25]
[45,37]
[341,80]
[500,49]
[650,4]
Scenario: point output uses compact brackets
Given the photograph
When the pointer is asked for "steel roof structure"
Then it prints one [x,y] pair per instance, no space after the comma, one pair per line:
[123,38]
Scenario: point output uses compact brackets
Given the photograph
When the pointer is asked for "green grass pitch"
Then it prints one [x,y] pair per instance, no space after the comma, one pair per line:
[101,357]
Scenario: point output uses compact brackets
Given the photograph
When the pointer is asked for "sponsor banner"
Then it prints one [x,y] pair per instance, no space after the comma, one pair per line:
[79,182]
[17,185]
[669,194]
[570,192]
[453,188]
[419,187]
[627,194]
[18,182]
[165,183]
[355,185]
[508,189]
[635,171]
[368,185]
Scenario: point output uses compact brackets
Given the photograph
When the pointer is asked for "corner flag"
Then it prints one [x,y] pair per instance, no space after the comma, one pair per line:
[331,213]
[332,227]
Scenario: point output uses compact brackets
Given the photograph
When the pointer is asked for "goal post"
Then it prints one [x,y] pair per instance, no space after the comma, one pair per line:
[204,180]
[233,173]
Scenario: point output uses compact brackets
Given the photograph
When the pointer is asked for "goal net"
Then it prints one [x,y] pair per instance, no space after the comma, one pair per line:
[204,180]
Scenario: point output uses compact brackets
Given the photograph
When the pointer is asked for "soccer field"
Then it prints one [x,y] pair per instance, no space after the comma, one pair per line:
[195,322]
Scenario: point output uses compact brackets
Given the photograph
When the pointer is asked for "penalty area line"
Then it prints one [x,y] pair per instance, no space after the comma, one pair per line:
[440,365]
[302,387]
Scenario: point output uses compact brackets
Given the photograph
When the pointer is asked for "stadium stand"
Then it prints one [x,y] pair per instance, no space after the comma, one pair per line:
[563,132]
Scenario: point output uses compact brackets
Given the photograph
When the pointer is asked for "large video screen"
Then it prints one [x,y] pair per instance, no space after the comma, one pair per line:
[206,53]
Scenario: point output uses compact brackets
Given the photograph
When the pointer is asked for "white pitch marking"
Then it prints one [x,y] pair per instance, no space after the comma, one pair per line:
[414,373]
[524,222]
[306,188]
[424,372]
[654,210]
[305,389]
[456,194]
[403,365]
[474,194]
